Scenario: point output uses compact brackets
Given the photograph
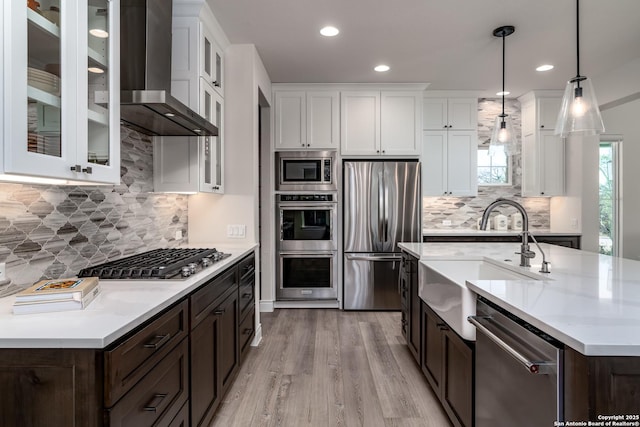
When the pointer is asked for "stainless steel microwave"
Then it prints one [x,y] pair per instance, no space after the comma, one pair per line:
[306,170]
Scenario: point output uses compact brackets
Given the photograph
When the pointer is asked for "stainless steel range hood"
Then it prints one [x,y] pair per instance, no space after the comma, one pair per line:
[146,104]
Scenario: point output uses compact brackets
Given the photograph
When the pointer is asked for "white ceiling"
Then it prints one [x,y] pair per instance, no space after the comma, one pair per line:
[447,43]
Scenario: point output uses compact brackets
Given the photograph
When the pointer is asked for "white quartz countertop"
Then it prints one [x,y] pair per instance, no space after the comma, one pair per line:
[590,302]
[121,306]
[474,232]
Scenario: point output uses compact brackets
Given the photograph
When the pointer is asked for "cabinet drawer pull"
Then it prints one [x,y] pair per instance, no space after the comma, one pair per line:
[76,168]
[248,331]
[158,341]
[157,399]
[219,312]
[247,295]
[88,169]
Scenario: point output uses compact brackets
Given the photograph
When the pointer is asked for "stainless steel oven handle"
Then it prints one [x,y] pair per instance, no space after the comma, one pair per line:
[533,367]
[362,257]
[298,205]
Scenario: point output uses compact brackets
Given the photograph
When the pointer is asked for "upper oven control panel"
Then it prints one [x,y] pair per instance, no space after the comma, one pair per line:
[306,197]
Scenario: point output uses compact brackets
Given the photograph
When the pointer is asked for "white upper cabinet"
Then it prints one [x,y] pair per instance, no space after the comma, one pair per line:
[194,164]
[211,60]
[450,147]
[450,113]
[360,123]
[306,120]
[449,163]
[61,99]
[381,123]
[323,120]
[211,148]
[543,153]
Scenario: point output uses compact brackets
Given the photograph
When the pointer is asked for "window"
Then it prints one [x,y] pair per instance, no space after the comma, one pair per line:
[493,170]
[609,241]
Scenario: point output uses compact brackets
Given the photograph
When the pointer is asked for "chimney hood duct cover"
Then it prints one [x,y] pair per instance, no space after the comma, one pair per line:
[146,104]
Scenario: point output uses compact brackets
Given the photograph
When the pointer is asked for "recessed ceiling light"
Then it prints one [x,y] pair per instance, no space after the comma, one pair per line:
[545,67]
[329,31]
[382,68]
[505,93]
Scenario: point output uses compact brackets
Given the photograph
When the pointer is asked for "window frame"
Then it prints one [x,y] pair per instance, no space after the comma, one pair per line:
[509,162]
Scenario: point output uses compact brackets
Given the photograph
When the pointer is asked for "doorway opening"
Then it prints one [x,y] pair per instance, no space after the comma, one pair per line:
[609,195]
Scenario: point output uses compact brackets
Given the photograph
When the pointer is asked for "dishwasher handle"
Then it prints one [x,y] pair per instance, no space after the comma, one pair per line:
[533,367]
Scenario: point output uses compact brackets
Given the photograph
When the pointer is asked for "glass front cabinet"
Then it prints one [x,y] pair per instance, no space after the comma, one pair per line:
[61,100]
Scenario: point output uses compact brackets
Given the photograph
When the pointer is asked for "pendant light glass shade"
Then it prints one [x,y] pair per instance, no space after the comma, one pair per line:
[503,137]
[579,112]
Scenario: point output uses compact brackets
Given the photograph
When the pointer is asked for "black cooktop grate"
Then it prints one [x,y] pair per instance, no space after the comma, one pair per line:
[155,264]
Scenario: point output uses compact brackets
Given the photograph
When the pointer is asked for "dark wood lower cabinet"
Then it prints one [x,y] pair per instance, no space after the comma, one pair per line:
[410,303]
[432,350]
[214,348]
[458,379]
[172,371]
[447,362]
[50,387]
[182,418]
[158,397]
[600,386]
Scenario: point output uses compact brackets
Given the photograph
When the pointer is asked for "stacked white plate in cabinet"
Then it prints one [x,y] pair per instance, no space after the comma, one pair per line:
[44,81]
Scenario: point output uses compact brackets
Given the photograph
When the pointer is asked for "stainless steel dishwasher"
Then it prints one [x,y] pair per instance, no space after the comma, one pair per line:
[519,371]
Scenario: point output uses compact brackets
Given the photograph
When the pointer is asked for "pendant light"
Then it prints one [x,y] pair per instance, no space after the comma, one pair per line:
[503,137]
[579,113]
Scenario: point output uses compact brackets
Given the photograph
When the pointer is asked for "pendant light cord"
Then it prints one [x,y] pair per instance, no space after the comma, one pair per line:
[578,39]
[503,68]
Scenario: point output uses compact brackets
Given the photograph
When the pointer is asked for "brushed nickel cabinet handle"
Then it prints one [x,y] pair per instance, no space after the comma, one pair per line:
[153,404]
[158,341]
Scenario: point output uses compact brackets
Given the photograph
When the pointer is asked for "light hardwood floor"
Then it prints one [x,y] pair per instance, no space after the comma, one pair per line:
[330,368]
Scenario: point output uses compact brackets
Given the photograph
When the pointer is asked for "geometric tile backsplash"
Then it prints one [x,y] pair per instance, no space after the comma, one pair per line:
[49,231]
[463,212]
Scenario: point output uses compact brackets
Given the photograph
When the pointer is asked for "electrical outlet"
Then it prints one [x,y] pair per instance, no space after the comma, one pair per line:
[574,223]
[446,222]
[3,271]
[178,234]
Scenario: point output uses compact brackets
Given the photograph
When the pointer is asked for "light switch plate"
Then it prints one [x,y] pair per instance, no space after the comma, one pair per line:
[236,231]
[446,222]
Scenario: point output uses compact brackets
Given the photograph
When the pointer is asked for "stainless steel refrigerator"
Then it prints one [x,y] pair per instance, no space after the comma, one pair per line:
[382,207]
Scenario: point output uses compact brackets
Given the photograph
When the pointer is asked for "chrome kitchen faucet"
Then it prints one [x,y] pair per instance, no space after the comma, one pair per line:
[525,252]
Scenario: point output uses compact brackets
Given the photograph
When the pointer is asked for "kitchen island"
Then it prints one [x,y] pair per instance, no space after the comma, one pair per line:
[589,302]
[144,352]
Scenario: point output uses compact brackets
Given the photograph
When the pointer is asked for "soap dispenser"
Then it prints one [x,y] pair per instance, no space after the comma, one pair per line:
[500,222]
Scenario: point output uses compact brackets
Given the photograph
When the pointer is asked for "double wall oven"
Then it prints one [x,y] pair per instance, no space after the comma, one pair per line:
[307,246]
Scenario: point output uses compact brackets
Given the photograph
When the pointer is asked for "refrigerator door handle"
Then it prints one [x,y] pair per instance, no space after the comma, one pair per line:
[381,213]
[373,257]
[386,213]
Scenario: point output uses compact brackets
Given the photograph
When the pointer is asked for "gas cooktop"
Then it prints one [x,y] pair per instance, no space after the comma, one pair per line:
[156,264]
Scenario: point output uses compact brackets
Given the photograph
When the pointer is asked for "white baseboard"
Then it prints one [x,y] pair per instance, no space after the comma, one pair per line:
[266,306]
[257,337]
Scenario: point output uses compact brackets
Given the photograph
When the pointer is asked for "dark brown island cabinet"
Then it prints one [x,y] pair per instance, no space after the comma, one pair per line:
[444,357]
[593,386]
[171,371]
